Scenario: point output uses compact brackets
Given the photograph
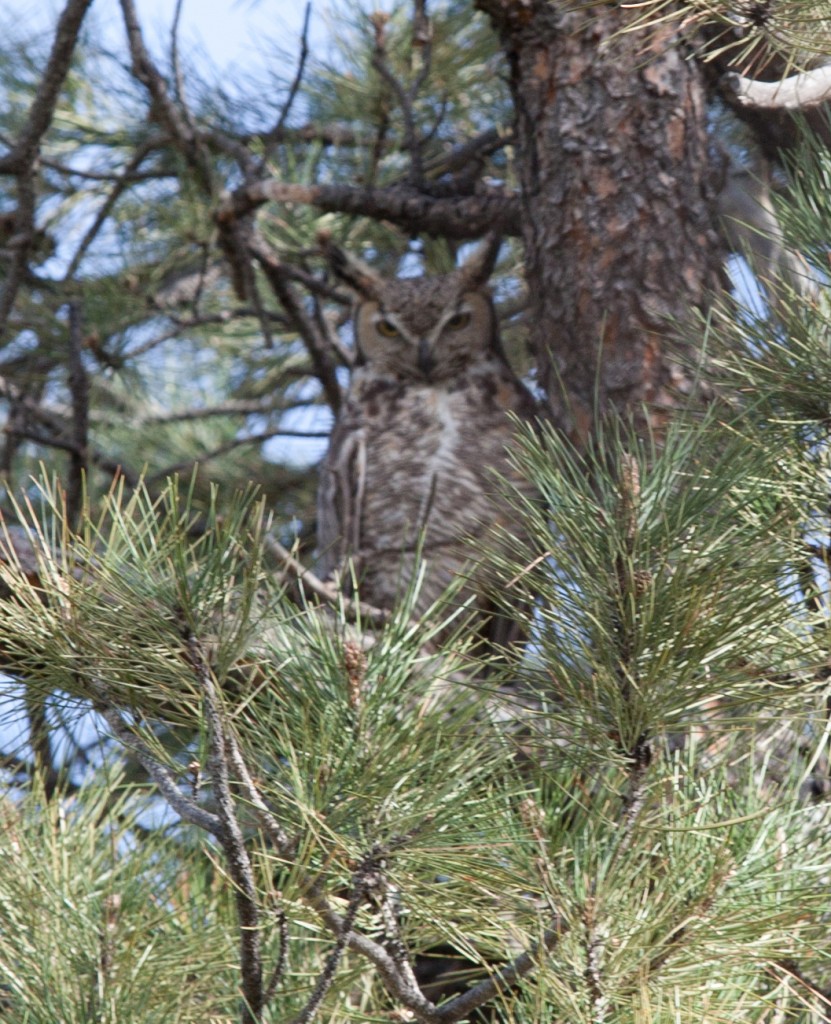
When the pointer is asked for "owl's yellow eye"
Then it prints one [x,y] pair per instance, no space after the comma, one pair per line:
[387,328]
[458,320]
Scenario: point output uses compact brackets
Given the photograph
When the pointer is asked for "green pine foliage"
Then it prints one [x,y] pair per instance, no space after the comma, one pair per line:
[99,924]
[239,797]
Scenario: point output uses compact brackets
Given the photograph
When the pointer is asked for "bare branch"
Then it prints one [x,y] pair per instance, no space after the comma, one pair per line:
[224,449]
[177,122]
[500,981]
[472,150]
[175,63]
[59,429]
[315,339]
[126,178]
[324,135]
[458,218]
[798,92]
[360,882]
[233,841]
[404,96]
[23,153]
[229,408]
[328,592]
[282,964]
[20,246]
[114,176]
[187,809]
[276,134]
[275,831]
[79,390]
[393,978]
[21,159]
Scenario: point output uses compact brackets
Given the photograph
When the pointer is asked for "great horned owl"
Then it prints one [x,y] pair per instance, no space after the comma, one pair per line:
[422,429]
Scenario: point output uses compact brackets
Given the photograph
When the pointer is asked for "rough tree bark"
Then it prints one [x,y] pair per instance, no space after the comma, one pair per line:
[619,222]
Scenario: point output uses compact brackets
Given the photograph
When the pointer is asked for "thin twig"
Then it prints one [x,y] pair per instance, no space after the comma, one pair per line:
[178,121]
[282,964]
[126,178]
[500,981]
[175,64]
[187,809]
[393,939]
[233,842]
[405,99]
[315,340]
[275,831]
[360,885]
[328,592]
[230,408]
[394,980]
[471,151]
[276,133]
[224,449]
[58,427]
[109,176]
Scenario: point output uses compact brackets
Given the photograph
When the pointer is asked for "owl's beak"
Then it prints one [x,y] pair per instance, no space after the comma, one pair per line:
[426,362]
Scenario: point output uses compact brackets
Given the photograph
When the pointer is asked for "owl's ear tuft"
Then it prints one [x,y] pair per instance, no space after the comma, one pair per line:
[349,269]
[478,267]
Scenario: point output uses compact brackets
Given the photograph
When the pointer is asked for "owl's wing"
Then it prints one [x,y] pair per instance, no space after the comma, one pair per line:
[340,498]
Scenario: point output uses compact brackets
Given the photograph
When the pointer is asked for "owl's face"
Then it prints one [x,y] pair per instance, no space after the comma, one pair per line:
[415,337]
[422,328]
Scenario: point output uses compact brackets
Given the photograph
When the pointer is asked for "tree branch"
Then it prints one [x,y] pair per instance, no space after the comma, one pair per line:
[20,246]
[500,981]
[471,150]
[79,392]
[324,982]
[393,978]
[317,343]
[185,465]
[232,840]
[187,809]
[405,97]
[276,133]
[798,92]
[126,178]
[459,218]
[177,122]
[22,155]
[328,592]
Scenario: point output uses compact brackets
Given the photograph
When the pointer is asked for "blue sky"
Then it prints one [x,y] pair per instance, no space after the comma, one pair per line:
[230,31]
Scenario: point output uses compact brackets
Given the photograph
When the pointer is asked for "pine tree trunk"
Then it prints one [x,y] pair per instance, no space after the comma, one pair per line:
[619,227]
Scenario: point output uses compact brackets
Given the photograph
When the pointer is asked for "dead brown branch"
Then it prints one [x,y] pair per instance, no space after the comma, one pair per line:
[175,118]
[323,356]
[456,218]
[326,590]
[231,837]
[79,392]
